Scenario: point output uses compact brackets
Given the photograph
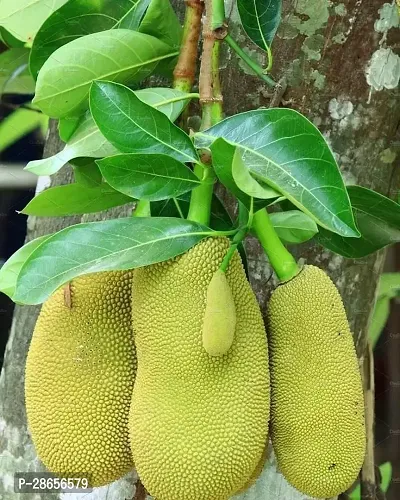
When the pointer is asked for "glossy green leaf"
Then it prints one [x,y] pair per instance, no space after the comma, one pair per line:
[260,19]
[68,125]
[86,172]
[223,155]
[109,245]
[135,127]
[386,475]
[119,55]
[286,151]
[378,220]
[88,141]
[10,270]
[19,123]
[148,176]
[78,18]
[246,183]
[74,199]
[294,226]
[23,18]
[14,73]
[161,22]
[10,40]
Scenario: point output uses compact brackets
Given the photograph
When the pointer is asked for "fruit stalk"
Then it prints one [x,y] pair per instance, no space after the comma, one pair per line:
[279,257]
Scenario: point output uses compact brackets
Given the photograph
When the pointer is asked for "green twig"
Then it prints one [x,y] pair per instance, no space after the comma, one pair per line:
[238,238]
[258,70]
[279,257]
[142,209]
[201,197]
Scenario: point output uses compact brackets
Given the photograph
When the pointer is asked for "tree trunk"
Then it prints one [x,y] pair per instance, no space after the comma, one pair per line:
[342,74]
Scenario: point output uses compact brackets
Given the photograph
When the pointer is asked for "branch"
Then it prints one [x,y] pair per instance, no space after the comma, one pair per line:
[185,69]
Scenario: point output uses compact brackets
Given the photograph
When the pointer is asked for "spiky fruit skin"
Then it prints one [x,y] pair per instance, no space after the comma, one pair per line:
[198,423]
[219,321]
[317,406]
[79,378]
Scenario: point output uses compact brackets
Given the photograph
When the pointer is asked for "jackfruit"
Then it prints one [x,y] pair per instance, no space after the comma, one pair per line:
[317,406]
[198,424]
[219,317]
[79,378]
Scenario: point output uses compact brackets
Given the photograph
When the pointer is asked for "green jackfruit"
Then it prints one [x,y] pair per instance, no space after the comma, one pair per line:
[219,317]
[317,406]
[198,423]
[79,378]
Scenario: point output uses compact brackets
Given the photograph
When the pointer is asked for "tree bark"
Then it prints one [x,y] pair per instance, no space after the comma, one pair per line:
[335,57]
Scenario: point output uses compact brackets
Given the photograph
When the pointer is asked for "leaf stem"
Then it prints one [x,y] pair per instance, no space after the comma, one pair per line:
[185,69]
[279,257]
[178,207]
[238,238]
[201,197]
[142,209]
[190,95]
[258,70]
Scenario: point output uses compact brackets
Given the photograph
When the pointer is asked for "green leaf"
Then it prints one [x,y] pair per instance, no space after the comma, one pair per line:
[246,183]
[19,123]
[74,199]
[135,127]
[286,151]
[378,220]
[293,226]
[389,285]
[378,320]
[88,141]
[14,74]
[260,19]
[86,172]
[67,126]
[161,22]
[85,141]
[120,55]
[78,18]
[9,40]
[109,245]
[23,18]
[223,155]
[10,270]
[148,176]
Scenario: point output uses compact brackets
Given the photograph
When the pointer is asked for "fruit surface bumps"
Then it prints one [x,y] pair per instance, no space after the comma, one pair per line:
[198,423]
[317,407]
[220,316]
[79,378]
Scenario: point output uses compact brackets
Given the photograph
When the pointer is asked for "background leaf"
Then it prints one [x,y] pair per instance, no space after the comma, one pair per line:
[120,55]
[285,150]
[148,176]
[108,245]
[10,270]
[79,18]
[135,127]
[386,475]
[161,22]
[378,220]
[293,226]
[88,141]
[23,18]
[14,73]
[68,125]
[260,19]
[223,155]
[74,199]
[19,123]
[9,40]
[86,172]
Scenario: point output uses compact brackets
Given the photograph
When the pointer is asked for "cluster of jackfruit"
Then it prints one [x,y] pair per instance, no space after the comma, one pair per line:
[192,414]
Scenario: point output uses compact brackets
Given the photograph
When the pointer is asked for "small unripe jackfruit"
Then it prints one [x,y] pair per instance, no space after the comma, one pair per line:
[317,406]
[219,317]
[79,378]
[198,423]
